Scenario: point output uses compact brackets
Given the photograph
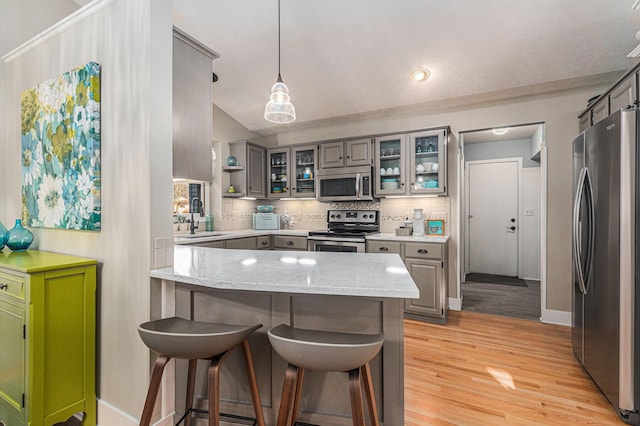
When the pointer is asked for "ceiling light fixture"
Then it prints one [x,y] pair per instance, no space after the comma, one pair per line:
[500,130]
[636,5]
[279,109]
[420,74]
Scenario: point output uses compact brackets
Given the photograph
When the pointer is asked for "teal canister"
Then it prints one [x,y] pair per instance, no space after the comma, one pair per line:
[208,222]
[18,238]
[3,235]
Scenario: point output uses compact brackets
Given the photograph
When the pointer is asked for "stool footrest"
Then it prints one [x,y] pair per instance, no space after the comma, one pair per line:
[250,421]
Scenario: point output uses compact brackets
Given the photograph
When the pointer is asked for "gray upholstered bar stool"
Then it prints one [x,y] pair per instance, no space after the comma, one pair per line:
[179,338]
[326,351]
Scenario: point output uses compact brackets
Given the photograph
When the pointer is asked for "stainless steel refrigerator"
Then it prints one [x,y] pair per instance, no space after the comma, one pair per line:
[606,259]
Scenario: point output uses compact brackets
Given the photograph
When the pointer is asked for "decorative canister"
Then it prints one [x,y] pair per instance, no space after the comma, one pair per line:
[3,235]
[232,161]
[418,223]
[18,238]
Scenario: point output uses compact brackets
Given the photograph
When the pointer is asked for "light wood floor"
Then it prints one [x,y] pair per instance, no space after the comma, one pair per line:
[489,370]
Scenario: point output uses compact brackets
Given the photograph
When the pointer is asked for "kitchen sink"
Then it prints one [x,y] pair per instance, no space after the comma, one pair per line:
[203,234]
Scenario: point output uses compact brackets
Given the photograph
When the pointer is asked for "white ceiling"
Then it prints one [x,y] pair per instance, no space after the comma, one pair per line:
[352,58]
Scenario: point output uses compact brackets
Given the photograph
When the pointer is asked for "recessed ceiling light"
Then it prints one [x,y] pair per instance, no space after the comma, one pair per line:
[500,130]
[419,74]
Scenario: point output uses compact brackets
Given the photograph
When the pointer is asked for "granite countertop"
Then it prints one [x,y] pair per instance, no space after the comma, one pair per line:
[389,236]
[322,273]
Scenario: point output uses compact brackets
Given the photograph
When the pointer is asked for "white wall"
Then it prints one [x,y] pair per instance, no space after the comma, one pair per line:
[557,110]
[529,228]
[514,148]
[131,39]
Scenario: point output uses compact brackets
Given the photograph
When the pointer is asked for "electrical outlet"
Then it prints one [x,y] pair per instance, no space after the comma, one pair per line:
[528,212]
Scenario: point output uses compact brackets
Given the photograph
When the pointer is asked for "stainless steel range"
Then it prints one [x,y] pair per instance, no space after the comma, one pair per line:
[346,231]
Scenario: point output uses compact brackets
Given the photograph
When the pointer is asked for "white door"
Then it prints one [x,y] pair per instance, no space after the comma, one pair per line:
[493,217]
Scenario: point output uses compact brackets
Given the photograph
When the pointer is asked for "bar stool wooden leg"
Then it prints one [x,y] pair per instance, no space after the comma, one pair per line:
[253,382]
[355,392]
[214,389]
[154,387]
[296,397]
[288,390]
[191,383]
[371,396]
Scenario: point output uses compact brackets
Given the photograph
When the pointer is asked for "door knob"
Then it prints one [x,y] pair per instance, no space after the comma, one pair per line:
[513,228]
[512,220]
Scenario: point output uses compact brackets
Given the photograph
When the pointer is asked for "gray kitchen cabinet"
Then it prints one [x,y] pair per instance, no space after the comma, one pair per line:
[211,244]
[248,176]
[585,120]
[390,155]
[263,242]
[427,264]
[192,108]
[278,172]
[286,242]
[246,243]
[428,162]
[625,94]
[304,159]
[355,152]
[600,109]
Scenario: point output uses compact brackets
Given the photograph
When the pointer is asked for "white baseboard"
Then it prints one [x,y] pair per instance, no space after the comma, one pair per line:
[550,316]
[455,303]
[108,415]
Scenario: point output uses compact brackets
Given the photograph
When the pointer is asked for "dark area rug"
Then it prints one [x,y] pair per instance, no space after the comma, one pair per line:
[495,279]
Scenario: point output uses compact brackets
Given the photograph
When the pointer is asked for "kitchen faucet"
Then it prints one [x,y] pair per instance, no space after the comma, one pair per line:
[198,205]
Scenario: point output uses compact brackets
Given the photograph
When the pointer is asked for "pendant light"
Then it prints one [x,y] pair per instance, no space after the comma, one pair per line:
[279,109]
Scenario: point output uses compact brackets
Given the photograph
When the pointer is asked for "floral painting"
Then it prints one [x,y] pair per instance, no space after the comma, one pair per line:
[61,151]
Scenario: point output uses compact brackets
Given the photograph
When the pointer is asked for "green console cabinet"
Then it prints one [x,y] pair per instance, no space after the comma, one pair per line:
[47,338]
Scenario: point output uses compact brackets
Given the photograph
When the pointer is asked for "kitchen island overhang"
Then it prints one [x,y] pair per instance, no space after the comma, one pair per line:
[352,292]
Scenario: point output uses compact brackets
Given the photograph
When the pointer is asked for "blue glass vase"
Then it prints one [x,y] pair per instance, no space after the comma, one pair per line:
[3,235]
[18,238]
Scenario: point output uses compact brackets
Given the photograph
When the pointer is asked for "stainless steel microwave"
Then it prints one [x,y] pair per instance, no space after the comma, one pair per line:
[345,184]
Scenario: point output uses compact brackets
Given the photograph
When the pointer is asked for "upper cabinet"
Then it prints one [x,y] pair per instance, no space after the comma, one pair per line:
[248,176]
[623,94]
[278,172]
[413,163]
[344,154]
[304,171]
[192,108]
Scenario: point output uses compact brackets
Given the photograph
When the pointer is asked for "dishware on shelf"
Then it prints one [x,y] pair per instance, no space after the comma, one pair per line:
[389,171]
[265,209]
[420,168]
[382,172]
[431,184]
[19,238]
[396,170]
[427,167]
[435,167]
[232,161]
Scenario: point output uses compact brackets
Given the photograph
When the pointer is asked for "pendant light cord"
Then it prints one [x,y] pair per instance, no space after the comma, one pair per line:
[279,76]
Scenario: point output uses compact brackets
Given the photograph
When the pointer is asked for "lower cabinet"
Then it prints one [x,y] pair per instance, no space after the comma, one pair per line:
[284,242]
[427,264]
[248,243]
[47,335]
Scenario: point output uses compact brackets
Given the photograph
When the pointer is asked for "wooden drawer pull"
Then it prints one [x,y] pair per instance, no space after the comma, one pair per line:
[4,286]
[383,249]
[423,251]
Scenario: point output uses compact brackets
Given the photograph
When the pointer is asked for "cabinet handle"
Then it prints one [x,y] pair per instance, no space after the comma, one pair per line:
[289,243]
[383,249]
[4,286]
[264,243]
[423,251]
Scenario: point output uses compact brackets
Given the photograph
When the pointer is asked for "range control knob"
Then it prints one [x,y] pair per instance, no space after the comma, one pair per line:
[333,216]
[338,216]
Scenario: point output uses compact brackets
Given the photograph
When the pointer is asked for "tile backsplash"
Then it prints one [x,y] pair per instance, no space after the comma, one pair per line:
[311,214]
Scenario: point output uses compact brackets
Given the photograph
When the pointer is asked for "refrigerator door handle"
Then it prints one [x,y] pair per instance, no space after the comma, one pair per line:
[592,229]
[577,255]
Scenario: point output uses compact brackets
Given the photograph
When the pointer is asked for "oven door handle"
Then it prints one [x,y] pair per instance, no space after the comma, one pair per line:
[337,240]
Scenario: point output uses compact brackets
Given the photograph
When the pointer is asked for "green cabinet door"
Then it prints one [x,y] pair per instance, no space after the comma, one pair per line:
[12,360]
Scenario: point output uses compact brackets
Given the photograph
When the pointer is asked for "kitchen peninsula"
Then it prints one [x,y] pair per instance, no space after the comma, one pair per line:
[352,292]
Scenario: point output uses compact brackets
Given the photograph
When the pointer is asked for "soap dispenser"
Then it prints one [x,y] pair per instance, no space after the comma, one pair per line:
[208,222]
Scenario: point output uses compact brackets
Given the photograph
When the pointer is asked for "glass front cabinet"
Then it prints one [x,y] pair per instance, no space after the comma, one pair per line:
[278,172]
[304,173]
[428,162]
[390,163]
[411,164]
